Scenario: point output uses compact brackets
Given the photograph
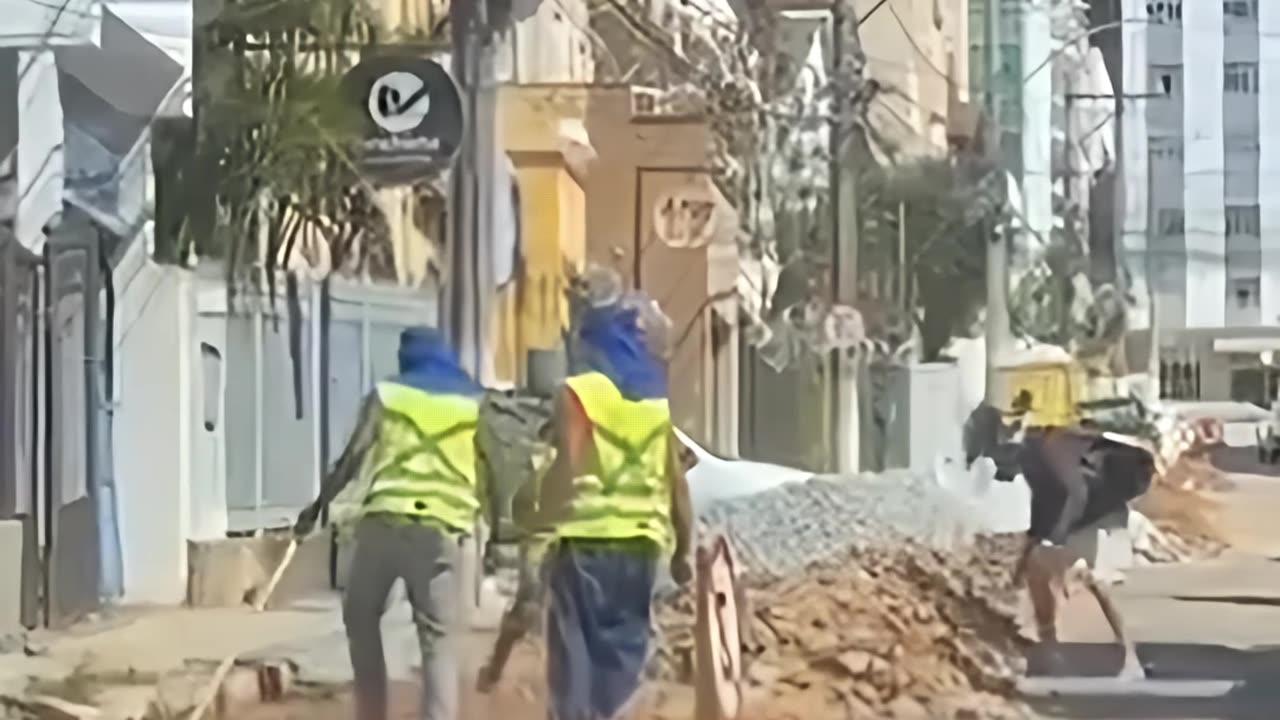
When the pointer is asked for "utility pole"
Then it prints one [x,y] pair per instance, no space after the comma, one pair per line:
[1068,162]
[903,295]
[469,287]
[845,408]
[997,260]
[466,297]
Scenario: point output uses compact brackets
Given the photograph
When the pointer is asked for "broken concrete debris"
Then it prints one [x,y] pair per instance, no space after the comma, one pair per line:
[907,633]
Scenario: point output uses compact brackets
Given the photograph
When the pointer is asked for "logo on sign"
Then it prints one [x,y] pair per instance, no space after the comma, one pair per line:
[399,101]
[413,117]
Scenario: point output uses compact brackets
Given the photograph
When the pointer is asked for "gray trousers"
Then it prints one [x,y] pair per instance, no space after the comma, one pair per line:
[427,559]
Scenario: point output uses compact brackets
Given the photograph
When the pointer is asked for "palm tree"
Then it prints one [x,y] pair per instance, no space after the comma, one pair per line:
[269,157]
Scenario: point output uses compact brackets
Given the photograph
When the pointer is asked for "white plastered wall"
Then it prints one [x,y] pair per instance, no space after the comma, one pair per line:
[1203,169]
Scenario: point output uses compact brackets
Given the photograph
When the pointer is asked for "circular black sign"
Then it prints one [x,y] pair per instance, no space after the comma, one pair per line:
[413,116]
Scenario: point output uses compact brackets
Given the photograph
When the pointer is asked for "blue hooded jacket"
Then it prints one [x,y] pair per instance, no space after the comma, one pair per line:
[612,343]
[429,364]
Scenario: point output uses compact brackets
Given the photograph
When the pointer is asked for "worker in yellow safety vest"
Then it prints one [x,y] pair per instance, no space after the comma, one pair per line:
[616,503]
[413,458]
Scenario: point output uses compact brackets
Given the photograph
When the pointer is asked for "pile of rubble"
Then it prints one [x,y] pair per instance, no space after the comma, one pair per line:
[907,633]
[1177,521]
[1175,525]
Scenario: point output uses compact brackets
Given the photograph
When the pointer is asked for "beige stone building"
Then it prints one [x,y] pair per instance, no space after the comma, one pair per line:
[918,50]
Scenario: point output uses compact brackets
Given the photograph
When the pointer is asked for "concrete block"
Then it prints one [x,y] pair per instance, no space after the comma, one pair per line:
[306,575]
[11,549]
[229,572]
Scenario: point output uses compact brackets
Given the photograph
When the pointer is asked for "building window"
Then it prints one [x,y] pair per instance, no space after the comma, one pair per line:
[1246,9]
[1167,79]
[1240,78]
[1165,11]
[1170,221]
[1247,292]
[1180,379]
[1243,220]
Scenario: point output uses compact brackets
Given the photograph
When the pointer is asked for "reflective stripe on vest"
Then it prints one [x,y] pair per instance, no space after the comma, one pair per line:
[424,462]
[629,494]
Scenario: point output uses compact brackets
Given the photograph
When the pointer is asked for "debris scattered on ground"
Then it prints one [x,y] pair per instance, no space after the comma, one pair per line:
[12,642]
[1182,525]
[907,633]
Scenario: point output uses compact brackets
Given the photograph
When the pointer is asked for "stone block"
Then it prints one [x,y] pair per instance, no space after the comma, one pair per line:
[231,571]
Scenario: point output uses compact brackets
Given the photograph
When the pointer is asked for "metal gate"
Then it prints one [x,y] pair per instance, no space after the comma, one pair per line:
[20,353]
[73,559]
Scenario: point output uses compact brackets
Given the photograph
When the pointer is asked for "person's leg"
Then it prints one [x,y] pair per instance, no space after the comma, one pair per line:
[620,602]
[429,561]
[1101,575]
[368,585]
[517,622]
[1132,669]
[569,668]
[1041,569]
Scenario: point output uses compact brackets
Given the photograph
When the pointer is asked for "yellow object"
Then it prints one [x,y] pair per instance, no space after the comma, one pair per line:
[630,497]
[1055,388]
[531,314]
[423,464]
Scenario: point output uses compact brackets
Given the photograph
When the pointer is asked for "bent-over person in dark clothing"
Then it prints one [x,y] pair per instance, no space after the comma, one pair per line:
[1081,482]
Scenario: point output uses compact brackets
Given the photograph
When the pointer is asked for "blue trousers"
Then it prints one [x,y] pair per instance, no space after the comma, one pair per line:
[597,625]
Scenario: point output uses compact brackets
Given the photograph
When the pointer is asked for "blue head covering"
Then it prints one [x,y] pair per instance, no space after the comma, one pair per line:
[428,363]
[613,344]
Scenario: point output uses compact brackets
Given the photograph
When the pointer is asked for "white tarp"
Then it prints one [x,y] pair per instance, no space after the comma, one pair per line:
[714,479]
[1000,507]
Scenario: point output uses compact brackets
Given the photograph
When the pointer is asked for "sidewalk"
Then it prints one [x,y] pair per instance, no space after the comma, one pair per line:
[121,663]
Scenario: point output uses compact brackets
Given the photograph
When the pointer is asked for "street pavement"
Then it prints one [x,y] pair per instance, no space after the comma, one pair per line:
[1208,632]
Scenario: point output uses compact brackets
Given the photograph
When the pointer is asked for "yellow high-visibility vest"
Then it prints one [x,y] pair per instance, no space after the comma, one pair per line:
[423,464]
[629,494]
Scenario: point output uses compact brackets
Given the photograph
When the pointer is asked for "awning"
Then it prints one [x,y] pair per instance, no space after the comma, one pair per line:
[112,92]
[109,97]
[1247,345]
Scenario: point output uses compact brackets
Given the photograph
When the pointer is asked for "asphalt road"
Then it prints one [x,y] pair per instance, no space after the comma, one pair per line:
[1208,632]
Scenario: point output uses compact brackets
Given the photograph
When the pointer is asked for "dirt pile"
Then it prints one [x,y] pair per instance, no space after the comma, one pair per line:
[912,633]
[1185,523]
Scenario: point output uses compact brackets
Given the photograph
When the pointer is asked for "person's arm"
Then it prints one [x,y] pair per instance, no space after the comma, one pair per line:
[541,504]
[348,464]
[362,439]
[681,505]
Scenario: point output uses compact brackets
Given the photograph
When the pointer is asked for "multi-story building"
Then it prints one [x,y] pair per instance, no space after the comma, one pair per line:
[1201,183]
